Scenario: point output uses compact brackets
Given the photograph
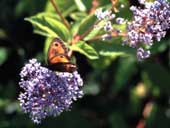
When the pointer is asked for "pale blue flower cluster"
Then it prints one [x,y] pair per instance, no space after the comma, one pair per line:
[46,93]
[107,18]
[149,23]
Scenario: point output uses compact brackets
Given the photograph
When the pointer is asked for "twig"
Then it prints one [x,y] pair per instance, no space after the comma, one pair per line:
[59,13]
[113,34]
[146,113]
[114,3]
[95,4]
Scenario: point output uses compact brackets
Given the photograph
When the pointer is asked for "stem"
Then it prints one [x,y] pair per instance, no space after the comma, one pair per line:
[141,124]
[146,113]
[114,3]
[114,34]
[59,13]
[99,37]
[95,4]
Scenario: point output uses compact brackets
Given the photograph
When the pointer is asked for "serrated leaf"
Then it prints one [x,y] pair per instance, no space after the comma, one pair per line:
[49,26]
[85,49]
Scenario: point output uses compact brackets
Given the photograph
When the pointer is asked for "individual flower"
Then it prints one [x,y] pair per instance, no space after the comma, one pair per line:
[46,93]
[106,37]
[141,1]
[120,20]
[149,23]
[104,15]
[108,26]
[142,54]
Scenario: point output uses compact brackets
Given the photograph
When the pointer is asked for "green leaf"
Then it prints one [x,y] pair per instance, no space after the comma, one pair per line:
[92,34]
[49,26]
[109,51]
[112,49]
[3,55]
[65,6]
[80,5]
[86,24]
[85,49]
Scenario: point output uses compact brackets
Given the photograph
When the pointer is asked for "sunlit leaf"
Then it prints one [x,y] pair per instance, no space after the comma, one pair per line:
[112,49]
[80,5]
[92,34]
[85,49]
[49,26]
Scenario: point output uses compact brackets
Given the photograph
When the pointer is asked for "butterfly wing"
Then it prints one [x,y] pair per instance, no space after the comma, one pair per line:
[57,52]
[58,57]
[63,67]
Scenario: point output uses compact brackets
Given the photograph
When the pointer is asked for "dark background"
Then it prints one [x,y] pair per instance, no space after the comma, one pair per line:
[115,95]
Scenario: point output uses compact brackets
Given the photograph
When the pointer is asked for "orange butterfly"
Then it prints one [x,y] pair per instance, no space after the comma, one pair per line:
[58,58]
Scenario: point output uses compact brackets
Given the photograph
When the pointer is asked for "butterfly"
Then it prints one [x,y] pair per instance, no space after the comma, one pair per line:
[58,58]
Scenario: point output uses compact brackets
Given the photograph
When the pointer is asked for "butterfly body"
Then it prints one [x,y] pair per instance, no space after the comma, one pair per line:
[58,58]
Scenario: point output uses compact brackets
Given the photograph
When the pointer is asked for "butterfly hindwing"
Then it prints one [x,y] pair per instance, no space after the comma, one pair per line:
[63,67]
[58,58]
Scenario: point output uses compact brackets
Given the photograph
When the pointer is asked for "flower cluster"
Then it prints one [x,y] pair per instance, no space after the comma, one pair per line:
[106,19]
[46,93]
[149,23]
